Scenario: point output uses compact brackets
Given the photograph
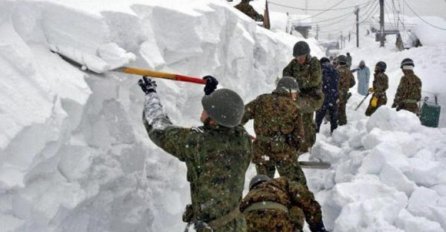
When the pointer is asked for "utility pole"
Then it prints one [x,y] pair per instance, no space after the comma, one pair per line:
[381,22]
[357,26]
[306,7]
[317,31]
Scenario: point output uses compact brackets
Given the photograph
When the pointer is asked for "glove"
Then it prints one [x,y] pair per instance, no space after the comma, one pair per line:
[318,227]
[374,102]
[211,84]
[394,105]
[147,85]
[371,90]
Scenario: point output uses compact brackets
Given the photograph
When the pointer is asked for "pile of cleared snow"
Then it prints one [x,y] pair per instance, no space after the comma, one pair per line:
[388,174]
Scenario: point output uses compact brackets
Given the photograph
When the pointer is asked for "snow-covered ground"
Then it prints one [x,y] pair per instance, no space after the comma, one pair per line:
[74,155]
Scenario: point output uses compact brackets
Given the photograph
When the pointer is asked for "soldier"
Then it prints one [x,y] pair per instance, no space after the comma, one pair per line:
[380,85]
[216,154]
[279,131]
[244,7]
[330,82]
[349,60]
[280,205]
[346,81]
[409,90]
[307,72]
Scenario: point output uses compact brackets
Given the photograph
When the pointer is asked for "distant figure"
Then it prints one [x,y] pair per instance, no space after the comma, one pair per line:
[330,81]
[346,81]
[349,60]
[280,205]
[409,90]
[363,78]
[244,7]
[380,85]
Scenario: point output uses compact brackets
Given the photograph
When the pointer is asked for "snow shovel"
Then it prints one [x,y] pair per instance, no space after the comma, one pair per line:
[357,107]
[99,66]
[315,164]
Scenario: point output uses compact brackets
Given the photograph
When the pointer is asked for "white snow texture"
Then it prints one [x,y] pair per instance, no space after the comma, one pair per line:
[74,154]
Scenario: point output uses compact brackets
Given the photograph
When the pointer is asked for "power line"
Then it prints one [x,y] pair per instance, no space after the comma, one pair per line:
[428,23]
[304,9]
[370,13]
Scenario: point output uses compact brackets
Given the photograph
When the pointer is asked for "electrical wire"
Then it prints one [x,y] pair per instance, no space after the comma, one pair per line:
[370,13]
[428,23]
[300,8]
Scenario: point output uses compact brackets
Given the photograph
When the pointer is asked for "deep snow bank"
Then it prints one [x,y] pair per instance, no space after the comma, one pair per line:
[73,153]
[388,174]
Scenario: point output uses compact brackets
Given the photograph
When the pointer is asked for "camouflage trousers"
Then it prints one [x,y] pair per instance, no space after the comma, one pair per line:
[236,225]
[412,107]
[370,109]
[288,168]
[309,130]
[342,115]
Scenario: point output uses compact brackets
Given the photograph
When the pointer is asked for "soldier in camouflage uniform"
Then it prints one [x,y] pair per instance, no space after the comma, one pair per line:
[280,205]
[409,90]
[308,74]
[279,131]
[346,81]
[244,7]
[380,85]
[216,154]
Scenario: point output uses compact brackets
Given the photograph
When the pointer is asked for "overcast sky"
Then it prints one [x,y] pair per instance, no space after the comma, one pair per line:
[343,19]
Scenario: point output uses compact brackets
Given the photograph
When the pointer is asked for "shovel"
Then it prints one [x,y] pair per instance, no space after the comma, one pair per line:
[97,65]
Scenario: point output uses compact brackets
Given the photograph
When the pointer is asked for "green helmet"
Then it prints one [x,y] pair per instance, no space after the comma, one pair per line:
[301,48]
[342,59]
[257,180]
[288,84]
[225,106]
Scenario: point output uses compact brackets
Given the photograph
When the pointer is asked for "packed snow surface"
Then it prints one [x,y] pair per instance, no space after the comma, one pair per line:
[74,155]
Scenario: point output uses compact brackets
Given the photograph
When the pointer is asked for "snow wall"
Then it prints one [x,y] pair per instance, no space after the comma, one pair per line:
[74,155]
[73,152]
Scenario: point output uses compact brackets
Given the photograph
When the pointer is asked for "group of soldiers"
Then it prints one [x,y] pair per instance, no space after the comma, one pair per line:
[338,78]
[218,153]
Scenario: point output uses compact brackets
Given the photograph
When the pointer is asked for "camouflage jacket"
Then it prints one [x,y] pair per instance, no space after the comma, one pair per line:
[287,193]
[276,117]
[309,78]
[249,11]
[216,158]
[409,89]
[346,80]
[380,84]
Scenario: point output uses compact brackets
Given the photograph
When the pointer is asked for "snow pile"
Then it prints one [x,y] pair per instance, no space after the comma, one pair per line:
[74,155]
[388,175]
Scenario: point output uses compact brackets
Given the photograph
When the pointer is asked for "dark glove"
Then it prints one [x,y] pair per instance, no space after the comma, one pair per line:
[211,84]
[394,105]
[318,227]
[147,85]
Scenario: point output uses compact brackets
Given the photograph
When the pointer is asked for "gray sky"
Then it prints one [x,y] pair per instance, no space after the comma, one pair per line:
[334,21]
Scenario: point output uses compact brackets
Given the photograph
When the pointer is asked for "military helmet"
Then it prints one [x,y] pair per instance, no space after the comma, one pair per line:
[288,84]
[407,62]
[362,63]
[324,60]
[225,106]
[257,180]
[342,59]
[301,48]
[382,66]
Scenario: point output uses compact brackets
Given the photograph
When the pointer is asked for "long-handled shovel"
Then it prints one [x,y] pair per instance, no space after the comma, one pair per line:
[357,107]
[97,65]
